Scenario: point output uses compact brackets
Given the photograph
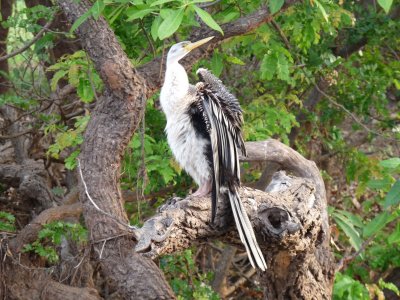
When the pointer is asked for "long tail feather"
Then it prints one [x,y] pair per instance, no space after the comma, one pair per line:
[246,232]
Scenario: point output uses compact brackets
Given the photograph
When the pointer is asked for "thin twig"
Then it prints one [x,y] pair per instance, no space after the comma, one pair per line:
[203,5]
[332,100]
[30,43]
[129,227]
[153,49]
[348,258]
[281,34]
[13,136]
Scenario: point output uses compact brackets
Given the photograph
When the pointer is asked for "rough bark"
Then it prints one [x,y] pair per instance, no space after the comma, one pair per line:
[5,11]
[32,182]
[31,283]
[290,222]
[113,121]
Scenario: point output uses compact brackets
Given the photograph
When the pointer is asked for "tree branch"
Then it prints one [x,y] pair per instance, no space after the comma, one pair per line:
[30,43]
[240,26]
[290,222]
[29,233]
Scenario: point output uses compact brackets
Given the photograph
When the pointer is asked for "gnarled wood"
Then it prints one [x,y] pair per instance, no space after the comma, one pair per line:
[289,220]
[113,121]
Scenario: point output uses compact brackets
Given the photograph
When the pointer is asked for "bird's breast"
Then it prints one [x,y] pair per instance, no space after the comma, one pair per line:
[188,147]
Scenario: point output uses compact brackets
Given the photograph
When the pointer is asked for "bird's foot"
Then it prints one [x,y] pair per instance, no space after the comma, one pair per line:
[203,190]
[170,202]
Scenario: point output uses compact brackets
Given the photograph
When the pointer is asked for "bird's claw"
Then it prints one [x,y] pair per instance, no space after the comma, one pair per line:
[155,230]
[170,202]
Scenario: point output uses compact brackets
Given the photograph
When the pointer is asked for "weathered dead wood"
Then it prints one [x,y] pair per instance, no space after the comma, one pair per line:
[290,222]
[27,284]
[31,179]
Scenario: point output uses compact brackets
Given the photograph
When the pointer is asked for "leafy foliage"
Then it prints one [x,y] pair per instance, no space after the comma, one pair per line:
[52,235]
[347,49]
[7,221]
[185,279]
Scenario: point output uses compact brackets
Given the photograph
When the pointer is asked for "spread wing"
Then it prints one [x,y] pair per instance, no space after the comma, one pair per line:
[223,117]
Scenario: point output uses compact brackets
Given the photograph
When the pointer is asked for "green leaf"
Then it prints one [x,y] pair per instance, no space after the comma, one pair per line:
[85,91]
[379,184]
[73,75]
[394,238]
[56,77]
[393,197]
[268,66]
[385,4]
[390,163]
[206,17]
[217,64]
[322,9]
[376,224]
[348,228]
[70,161]
[80,20]
[282,67]
[134,13]
[275,5]
[159,2]
[234,60]
[389,285]
[97,9]
[170,24]
[154,27]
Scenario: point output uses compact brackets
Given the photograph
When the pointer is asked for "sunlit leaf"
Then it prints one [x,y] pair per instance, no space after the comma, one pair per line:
[159,2]
[348,228]
[376,224]
[97,9]
[170,24]
[80,20]
[385,4]
[275,5]
[206,17]
[390,163]
[134,13]
[393,197]
[154,27]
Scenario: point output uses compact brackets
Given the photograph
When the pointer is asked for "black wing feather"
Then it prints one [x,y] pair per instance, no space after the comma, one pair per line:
[223,116]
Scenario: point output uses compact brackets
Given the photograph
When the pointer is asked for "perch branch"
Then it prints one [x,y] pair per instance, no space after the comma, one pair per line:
[286,216]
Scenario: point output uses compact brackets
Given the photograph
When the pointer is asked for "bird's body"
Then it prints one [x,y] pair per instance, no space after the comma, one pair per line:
[204,133]
[186,142]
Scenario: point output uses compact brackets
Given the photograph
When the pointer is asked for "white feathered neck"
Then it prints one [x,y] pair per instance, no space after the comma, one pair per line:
[175,88]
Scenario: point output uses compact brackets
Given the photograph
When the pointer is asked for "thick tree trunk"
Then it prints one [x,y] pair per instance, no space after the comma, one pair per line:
[112,123]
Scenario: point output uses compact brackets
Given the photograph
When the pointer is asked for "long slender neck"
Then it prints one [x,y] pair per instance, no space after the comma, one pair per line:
[176,86]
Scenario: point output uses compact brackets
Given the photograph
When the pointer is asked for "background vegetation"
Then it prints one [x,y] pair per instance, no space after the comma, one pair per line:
[322,77]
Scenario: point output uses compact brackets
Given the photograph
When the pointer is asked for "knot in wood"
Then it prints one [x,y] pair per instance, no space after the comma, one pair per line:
[278,221]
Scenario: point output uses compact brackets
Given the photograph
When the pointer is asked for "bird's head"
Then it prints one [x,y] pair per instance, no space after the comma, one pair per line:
[180,50]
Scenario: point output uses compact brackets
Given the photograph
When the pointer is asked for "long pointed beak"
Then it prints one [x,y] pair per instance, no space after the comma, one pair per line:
[194,45]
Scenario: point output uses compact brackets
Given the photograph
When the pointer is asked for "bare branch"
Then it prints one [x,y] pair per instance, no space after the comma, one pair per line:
[353,116]
[30,43]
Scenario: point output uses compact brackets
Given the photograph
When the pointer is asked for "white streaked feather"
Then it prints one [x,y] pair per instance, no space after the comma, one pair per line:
[224,140]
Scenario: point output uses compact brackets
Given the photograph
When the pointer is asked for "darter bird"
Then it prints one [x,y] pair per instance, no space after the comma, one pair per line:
[204,132]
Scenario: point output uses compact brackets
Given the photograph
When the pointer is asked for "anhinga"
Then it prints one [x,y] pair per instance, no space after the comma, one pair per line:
[204,132]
